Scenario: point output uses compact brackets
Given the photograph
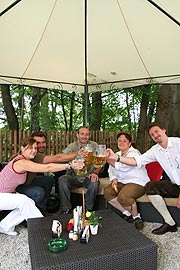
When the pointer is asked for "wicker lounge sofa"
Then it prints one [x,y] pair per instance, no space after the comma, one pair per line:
[146,209]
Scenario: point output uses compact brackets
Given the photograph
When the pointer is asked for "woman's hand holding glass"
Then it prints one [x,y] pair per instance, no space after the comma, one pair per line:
[110,154]
[77,164]
[83,169]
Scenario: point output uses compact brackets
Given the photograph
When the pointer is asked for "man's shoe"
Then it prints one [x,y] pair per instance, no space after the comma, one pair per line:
[165,228]
[45,213]
[12,233]
[128,218]
[24,223]
[139,224]
[67,212]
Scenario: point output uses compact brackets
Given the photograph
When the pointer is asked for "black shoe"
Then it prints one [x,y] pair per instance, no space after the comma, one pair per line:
[45,213]
[128,218]
[139,224]
[24,223]
[67,212]
[165,228]
[88,210]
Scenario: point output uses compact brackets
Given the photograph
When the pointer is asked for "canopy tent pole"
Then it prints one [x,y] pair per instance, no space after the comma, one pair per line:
[9,7]
[85,68]
[163,11]
[86,105]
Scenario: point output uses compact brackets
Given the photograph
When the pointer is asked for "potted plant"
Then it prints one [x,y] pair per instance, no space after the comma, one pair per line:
[93,221]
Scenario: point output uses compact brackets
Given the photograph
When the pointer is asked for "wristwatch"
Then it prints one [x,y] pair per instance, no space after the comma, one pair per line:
[69,166]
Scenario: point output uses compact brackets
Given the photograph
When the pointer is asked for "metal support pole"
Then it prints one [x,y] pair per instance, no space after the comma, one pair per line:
[85,68]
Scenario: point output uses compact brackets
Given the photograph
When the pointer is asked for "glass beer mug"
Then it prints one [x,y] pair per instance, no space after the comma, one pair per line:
[99,158]
[89,158]
[84,169]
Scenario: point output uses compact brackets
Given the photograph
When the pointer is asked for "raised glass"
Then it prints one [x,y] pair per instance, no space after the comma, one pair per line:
[89,158]
[99,156]
[84,169]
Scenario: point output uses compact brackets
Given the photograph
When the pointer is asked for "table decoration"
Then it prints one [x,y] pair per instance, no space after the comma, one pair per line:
[56,229]
[93,221]
[57,245]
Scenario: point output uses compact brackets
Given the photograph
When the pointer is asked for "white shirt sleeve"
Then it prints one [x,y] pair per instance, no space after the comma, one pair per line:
[112,173]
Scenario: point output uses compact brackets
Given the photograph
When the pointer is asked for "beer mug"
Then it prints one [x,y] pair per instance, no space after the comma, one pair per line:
[84,169]
[89,158]
[99,158]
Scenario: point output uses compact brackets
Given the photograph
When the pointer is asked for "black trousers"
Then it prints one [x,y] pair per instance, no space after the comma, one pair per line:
[164,188]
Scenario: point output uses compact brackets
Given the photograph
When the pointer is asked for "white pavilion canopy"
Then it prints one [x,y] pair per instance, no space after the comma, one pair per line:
[94,45]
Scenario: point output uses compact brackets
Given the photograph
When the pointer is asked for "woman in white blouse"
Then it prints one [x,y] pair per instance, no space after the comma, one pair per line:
[127,182]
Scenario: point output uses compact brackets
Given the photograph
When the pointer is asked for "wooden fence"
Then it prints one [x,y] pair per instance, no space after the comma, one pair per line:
[56,140]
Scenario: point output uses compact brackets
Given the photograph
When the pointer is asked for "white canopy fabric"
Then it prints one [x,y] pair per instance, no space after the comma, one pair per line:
[128,43]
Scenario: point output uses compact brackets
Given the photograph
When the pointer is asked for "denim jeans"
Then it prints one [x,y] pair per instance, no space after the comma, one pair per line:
[67,182]
[39,190]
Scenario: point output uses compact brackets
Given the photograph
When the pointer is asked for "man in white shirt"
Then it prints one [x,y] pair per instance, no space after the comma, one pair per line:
[167,152]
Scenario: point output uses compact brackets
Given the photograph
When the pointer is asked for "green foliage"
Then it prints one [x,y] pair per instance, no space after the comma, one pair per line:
[92,218]
[63,110]
[115,110]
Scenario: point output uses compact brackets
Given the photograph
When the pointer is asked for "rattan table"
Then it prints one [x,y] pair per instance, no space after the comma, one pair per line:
[118,245]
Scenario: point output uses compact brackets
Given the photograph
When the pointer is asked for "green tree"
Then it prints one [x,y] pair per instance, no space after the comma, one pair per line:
[95,111]
[9,109]
[116,109]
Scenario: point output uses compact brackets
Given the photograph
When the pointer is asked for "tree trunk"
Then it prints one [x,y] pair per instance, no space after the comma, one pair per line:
[45,116]
[34,122]
[128,112]
[164,103]
[8,108]
[21,106]
[71,110]
[173,127]
[63,109]
[143,119]
[37,95]
[95,114]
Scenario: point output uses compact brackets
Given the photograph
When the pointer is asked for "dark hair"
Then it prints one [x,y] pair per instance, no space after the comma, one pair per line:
[27,142]
[38,134]
[81,127]
[127,135]
[154,124]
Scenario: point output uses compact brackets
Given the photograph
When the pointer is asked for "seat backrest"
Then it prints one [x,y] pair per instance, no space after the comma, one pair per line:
[154,171]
